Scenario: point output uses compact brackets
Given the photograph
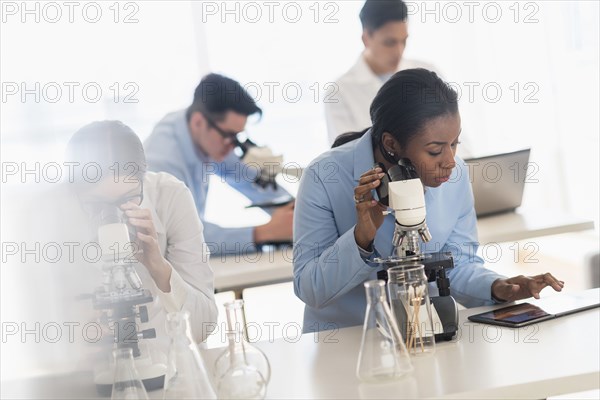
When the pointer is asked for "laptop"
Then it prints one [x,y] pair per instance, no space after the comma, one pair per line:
[523,314]
[498,181]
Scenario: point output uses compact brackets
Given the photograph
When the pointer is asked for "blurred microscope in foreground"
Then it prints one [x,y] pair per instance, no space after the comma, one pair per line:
[121,300]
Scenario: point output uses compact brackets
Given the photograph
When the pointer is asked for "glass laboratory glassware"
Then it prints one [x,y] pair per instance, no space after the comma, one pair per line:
[236,323]
[241,380]
[127,383]
[242,370]
[409,298]
[383,355]
[186,374]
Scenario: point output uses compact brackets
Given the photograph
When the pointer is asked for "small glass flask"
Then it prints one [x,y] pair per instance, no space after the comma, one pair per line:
[127,383]
[242,370]
[383,355]
[186,374]
[409,298]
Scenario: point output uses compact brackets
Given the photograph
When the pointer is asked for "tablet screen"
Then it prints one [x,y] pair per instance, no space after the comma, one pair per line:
[517,314]
[543,309]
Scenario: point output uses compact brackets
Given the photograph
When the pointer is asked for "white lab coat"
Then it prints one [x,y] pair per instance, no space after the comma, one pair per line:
[347,103]
[52,292]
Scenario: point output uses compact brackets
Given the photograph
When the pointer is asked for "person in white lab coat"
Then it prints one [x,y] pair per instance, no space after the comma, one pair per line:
[384,36]
[172,258]
[169,253]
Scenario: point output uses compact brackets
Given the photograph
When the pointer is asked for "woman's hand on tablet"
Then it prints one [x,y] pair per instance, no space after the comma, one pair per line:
[522,287]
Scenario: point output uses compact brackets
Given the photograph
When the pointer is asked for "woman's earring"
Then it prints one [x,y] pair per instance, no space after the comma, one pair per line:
[391,153]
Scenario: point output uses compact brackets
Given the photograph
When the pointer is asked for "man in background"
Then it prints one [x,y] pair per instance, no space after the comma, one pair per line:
[384,36]
[198,142]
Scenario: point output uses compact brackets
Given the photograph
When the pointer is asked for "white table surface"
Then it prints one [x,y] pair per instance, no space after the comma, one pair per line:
[525,224]
[550,358]
[255,269]
[238,272]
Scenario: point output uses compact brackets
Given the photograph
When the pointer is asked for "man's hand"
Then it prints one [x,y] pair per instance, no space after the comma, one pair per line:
[279,228]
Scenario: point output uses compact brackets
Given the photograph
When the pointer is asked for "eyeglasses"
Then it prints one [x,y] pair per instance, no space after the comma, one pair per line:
[95,207]
[231,136]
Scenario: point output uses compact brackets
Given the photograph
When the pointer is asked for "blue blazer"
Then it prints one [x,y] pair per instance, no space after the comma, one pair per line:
[170,149]
[329,270]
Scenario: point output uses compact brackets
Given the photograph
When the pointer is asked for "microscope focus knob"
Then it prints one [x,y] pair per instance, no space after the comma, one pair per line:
[143,313]
[147,334]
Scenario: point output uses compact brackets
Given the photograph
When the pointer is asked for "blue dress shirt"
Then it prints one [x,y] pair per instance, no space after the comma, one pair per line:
[170,149]
[329,270]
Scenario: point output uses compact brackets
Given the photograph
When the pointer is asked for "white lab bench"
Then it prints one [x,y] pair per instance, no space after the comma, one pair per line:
[550,358]
[547,359]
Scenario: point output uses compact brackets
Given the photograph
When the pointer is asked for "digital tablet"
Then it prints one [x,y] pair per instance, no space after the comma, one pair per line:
[536,311]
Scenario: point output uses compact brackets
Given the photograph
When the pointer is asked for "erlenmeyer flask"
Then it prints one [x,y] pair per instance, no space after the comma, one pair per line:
[236,323]
[383,355]
[127,383]
[241,380]
[242,370]
[186,375]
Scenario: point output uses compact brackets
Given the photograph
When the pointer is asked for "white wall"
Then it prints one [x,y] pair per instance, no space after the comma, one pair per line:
[527,73]
[549,50]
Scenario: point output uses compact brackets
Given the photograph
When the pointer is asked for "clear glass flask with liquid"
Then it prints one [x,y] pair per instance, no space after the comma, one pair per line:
[382,355]
[242,371]
[127,383]
[409,299]
[186,377]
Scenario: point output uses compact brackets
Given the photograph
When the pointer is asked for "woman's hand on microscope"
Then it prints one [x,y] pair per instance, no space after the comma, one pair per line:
[369,211]
[522,287]
[148,251]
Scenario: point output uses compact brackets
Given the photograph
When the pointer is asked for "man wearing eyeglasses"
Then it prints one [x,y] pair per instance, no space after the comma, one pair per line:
[196,143]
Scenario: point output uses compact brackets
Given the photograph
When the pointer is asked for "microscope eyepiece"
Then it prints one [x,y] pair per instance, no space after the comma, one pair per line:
[110,214]
[403,171]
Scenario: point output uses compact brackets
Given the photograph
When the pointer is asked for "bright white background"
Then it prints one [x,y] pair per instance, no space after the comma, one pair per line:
[160,56]
[544,52]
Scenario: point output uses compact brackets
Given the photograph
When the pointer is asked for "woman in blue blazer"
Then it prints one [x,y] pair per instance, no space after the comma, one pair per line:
[339,227]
